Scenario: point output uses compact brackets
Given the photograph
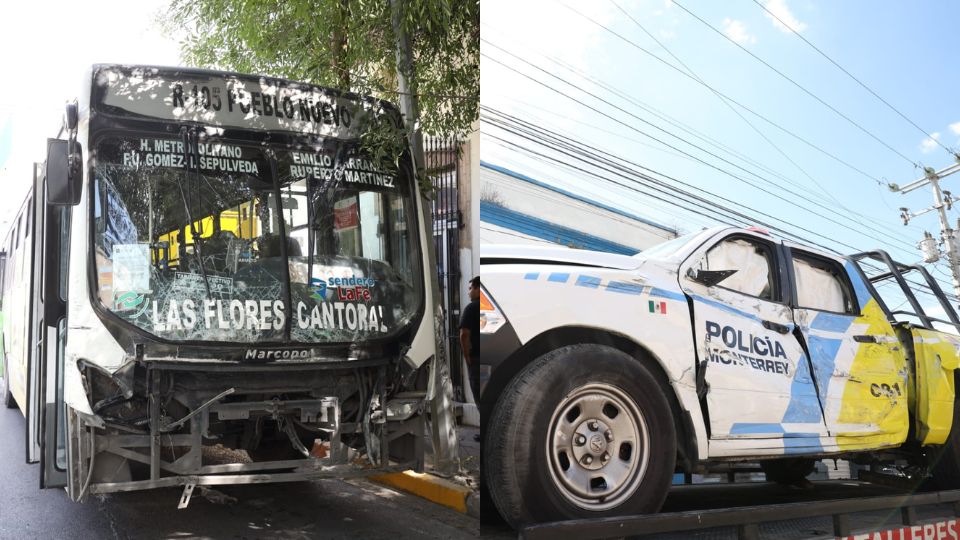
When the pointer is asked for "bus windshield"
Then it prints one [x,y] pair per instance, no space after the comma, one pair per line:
[323,251]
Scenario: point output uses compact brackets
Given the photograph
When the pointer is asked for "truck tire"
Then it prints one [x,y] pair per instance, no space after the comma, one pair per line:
[583,431]
[945,459]
[8,400]
[787,471]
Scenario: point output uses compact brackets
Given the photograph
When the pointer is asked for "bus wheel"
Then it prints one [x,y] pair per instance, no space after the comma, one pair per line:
[583,431]
[7,395]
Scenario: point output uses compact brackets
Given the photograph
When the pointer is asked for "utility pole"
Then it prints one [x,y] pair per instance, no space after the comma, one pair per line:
[443,422]
[942,201]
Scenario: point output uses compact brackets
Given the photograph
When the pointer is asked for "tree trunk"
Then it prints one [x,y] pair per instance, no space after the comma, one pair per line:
[339,46]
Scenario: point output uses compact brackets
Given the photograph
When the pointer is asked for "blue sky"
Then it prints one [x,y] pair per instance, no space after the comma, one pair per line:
[42,77]
[905,52]
[6,138]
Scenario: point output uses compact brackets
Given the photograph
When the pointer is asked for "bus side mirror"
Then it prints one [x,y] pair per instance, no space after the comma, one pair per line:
[64,163]
[63,174]
[71,117]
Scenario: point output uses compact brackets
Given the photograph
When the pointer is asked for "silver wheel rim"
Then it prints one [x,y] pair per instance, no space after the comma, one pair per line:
[597,447]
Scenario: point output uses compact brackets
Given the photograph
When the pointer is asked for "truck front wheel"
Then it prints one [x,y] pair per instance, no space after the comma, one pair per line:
[583,431]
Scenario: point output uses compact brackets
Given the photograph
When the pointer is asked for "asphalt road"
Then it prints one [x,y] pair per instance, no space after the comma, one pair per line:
[323,509]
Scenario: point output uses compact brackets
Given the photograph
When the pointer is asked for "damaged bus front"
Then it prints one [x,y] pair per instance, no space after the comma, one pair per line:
[229,288]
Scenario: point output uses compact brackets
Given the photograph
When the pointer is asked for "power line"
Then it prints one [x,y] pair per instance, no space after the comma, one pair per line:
[735,102]
[487,108]
[801,87]
[608,116]
[713,142]
[731,107]
[682,203]
[708,164]
[591,153]
[542,241]
[730,220]
[858,81]
[652,110]
[538,192]
[700,222]
[655,112]
[591,158]
[737,219]
[620,136]
[580,152]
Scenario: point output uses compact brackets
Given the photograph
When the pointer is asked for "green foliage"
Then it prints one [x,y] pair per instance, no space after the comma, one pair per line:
[346,44]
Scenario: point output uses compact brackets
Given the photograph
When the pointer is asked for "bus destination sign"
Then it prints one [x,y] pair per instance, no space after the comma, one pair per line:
[233,101]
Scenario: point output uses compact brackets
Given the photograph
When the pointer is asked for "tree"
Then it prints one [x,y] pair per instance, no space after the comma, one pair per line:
[346,44]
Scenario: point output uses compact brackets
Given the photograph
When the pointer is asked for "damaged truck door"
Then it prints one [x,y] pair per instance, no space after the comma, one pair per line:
[755,367]
[861,371]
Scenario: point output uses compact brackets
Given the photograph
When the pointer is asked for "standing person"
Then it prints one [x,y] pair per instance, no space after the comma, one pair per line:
[470,338]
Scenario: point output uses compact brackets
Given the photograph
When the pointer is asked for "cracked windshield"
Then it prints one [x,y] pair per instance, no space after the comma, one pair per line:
[219,253]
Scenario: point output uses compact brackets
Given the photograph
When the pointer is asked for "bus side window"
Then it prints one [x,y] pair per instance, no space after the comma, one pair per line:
[3,271]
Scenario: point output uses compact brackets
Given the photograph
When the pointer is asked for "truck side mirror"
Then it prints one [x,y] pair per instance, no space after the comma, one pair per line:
[710,277]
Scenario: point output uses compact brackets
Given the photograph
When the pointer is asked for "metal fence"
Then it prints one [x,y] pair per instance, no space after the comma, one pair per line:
[442,163]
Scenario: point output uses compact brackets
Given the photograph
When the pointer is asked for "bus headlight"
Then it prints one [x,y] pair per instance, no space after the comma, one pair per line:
[491,318]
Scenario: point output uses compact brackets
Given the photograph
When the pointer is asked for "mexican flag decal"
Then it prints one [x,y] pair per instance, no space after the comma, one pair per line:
[658,307]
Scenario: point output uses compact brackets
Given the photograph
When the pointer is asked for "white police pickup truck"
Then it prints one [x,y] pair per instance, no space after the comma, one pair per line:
[610,373]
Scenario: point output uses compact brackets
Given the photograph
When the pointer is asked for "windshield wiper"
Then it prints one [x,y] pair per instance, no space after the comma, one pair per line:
[185,135]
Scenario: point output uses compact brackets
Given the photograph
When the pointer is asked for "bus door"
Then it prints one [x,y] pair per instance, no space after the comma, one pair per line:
[31,252]
[50,308]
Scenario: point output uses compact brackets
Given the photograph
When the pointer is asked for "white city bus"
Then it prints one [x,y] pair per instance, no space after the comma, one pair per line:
[209,258]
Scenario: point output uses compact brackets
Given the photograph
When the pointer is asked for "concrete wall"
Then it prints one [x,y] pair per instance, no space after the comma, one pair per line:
[494,234]
[546,205]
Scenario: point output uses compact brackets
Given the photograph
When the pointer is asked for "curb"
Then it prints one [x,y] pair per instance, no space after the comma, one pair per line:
[430,487]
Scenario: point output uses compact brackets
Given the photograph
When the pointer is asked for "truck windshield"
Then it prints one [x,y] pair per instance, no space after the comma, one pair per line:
[203,256]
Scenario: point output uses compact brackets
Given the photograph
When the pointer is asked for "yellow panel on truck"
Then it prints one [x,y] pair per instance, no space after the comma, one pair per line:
[937,355]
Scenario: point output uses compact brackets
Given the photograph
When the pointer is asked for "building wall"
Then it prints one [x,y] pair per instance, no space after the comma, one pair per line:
[520,209]
[495,234]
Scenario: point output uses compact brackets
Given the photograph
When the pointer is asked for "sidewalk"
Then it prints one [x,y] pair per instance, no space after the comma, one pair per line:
[460,492]
[470,452]
[470,461]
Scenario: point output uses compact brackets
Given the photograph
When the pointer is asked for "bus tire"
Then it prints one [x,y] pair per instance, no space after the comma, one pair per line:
[945,459]
[8,400]
[612,447]
[787,471]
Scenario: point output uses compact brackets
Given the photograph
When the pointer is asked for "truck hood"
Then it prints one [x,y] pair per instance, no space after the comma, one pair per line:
[516,254]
